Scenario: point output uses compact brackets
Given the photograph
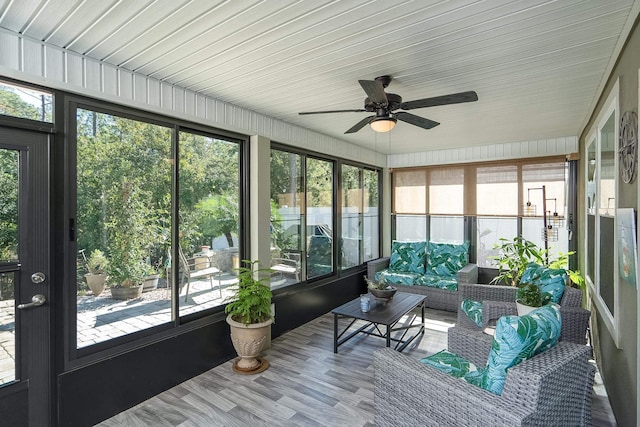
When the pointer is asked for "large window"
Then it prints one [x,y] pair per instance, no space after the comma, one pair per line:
[209,219]
[320,244]
[287,218]
[360,217]
[437,203]
[302,217]
[600,203]
[25,103]
[129,271]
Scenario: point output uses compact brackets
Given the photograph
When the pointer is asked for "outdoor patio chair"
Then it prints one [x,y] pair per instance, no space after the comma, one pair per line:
[288,264]
[552,388]
[189,271]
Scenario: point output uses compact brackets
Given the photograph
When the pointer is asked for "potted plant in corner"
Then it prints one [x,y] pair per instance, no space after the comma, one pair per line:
[249,317]
[96,277]
[151,279]
[529,297]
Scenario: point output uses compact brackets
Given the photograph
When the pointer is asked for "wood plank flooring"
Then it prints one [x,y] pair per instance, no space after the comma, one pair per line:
[306,385]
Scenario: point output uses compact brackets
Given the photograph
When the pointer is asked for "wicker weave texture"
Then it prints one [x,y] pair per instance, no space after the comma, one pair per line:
[499,301]
[550,389]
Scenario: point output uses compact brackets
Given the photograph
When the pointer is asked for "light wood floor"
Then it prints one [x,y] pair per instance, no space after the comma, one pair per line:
[306,385]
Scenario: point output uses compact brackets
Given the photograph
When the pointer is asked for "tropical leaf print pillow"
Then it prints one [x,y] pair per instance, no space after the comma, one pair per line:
[446,259]
[449,363]
[548,279]
[407,257]
[518,338]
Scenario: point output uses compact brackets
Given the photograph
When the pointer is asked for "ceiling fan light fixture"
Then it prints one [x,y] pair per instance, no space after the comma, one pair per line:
[383,124]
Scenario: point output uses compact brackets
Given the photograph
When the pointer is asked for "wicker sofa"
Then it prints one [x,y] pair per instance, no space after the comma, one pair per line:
[552,388]
[437,277]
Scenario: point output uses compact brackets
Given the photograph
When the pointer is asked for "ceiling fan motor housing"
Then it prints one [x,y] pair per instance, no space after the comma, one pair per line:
[393,104]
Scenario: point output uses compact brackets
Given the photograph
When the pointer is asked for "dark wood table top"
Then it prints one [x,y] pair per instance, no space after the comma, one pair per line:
[386,314]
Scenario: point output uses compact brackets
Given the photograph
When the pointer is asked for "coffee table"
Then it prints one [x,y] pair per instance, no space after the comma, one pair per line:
[382,316]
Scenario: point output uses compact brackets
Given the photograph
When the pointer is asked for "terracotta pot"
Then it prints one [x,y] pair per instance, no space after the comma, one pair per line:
[126,292]
[248,340]
[96,282]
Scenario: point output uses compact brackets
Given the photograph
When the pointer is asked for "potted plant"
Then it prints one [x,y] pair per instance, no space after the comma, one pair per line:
[381,289]
[513,257]
[151,279]
[97,263]
[529,297]
[126,268]
[129,228]
[249,316]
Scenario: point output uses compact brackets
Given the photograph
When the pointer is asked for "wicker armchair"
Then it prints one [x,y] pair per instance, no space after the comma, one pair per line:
[551,389]
[499,301]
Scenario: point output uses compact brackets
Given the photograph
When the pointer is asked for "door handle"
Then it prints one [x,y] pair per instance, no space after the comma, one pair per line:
[38,277]
[36,301]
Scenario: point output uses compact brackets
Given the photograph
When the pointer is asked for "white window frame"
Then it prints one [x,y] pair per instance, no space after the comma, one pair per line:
[611,321]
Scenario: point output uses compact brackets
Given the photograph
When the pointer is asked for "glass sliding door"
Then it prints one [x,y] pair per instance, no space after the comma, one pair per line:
[287,218]
[319,206]
[209,220]
[352,208]
[371,215]
[124,173]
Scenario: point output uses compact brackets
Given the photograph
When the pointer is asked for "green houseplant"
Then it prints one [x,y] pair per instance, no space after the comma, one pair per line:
[529,297]
[249,316]
[514,256]
[97,263]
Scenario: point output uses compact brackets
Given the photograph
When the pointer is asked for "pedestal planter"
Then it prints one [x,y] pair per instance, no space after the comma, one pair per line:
[96,282]
[248,341]
[124,293]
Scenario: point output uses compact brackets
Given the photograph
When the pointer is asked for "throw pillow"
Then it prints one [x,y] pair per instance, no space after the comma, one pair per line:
[449,363]
[518,338]
[548,279]
[446,259]
[407,257]
[473,309]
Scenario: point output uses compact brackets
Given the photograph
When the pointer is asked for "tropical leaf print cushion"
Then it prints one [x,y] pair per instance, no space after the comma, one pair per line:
[441,282]
[449,363]
[396,278]
[518,338]
[473,309]
[550,280]
[446,259]
[407,257]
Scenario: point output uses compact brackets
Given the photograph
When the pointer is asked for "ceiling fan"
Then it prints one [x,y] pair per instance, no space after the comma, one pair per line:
[385,104]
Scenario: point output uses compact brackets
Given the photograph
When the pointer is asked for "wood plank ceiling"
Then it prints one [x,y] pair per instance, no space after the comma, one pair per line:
[536,65]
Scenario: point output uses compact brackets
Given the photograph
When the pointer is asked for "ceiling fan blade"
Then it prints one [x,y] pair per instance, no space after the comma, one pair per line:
[375,91]
[454,98]
[362,123]
[415,120]
[332,111]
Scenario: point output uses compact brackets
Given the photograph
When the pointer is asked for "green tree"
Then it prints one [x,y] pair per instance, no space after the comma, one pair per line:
[9,205]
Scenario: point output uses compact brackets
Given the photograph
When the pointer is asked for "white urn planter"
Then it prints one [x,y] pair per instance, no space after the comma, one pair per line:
[524,309]
[248,341]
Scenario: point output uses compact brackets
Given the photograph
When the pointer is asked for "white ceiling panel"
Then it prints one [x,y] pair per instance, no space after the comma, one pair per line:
[536,65]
